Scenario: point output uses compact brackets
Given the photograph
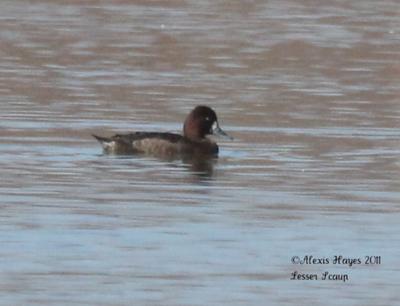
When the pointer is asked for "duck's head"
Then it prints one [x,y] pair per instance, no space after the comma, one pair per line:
[202,121]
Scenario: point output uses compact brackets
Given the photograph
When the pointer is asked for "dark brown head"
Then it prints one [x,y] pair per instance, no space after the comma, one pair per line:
[201,121]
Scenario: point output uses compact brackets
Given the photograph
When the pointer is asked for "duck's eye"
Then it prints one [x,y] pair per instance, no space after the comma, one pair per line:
[207,118]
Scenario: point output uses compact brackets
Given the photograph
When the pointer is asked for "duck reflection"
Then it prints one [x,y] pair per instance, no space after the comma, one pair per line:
[200,166]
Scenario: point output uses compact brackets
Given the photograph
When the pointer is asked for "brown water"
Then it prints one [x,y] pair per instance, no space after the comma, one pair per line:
[309,91]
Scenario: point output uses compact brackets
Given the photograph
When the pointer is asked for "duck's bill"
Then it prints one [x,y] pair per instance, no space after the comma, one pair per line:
[219,132]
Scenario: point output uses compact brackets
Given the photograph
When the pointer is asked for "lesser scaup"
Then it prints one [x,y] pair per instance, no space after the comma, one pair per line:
[201,121]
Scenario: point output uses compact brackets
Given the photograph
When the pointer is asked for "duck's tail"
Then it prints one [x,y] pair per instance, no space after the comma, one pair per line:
[107,143]
[102,140]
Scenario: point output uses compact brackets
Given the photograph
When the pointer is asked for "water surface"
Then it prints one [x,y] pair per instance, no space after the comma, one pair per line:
[308,90]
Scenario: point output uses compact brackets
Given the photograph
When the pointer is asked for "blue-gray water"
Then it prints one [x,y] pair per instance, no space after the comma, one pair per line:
[308,90]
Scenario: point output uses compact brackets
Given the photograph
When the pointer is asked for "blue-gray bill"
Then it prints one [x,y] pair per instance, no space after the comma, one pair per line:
[216,130]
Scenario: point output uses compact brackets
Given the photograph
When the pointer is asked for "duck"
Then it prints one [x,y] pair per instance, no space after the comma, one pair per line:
[199,123]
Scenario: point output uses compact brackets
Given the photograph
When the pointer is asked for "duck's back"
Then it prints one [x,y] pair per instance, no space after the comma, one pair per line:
[153,143]
[167,145]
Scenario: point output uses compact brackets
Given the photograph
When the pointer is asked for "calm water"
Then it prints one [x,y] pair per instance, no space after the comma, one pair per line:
[309,91]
